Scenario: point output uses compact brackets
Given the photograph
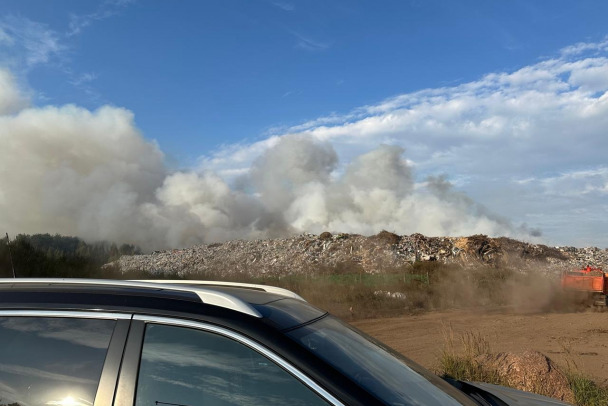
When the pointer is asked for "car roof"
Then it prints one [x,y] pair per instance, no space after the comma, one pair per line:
[244,286]
[243,298]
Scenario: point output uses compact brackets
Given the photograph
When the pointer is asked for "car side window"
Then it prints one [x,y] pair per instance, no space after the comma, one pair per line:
[189,367]
[52,361]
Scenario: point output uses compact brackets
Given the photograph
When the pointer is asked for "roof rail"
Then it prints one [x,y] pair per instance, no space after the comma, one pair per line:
[265,288]
[207,296]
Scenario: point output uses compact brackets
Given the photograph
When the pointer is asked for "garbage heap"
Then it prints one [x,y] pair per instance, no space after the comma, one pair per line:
[383,252]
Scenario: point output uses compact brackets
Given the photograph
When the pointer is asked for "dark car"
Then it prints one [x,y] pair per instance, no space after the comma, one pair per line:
[71,342]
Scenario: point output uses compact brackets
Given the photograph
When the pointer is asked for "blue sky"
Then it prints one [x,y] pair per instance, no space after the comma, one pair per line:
[199,74]
[213,86]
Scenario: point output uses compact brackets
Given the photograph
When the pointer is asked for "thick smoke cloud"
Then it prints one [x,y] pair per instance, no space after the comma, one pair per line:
[72,171]
[11,100]
[92,174]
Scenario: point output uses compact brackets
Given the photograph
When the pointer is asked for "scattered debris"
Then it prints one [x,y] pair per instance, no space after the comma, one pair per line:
[390,295]
[384,251]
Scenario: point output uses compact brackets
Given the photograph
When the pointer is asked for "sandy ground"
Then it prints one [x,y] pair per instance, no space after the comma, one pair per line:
[580,337]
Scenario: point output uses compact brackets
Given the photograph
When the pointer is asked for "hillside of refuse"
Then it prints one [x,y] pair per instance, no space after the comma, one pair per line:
[306,253]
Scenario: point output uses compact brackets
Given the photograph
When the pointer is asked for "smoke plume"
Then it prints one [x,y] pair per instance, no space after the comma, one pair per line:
[72,171]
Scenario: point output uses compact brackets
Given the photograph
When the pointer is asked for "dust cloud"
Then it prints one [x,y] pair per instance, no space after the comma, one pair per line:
[503,290]
[69,170]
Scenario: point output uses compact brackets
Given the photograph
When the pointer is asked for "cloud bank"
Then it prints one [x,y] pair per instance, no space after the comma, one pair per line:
[529,144]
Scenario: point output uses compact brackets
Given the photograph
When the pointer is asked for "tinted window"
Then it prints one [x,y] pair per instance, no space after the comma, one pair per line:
[51,361]
[287,313]
[182,366]
[371,366]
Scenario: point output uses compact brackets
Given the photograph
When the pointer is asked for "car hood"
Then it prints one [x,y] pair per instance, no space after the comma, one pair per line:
[486,394]
[514,397]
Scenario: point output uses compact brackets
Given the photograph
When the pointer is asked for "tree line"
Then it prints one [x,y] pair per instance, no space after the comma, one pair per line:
[45,255]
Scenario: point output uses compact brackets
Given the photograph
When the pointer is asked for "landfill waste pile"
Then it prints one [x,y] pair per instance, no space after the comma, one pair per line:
[306,253]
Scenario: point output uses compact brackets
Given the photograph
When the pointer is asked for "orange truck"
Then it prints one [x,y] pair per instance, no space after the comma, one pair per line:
[590,282]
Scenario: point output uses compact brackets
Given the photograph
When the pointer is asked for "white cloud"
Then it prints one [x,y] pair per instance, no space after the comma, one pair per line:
[11,98]
[234,159]
[583,47]
[106,9]
[25,43]
[283,5]
[309,44]
[83,79]
[5,38]
[593,182]
[592,78]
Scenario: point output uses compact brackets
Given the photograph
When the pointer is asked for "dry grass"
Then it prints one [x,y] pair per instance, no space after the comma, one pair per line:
[458,359]
[348,292]
[586,391]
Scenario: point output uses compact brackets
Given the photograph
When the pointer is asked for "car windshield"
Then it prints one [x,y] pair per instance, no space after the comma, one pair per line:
[393,380]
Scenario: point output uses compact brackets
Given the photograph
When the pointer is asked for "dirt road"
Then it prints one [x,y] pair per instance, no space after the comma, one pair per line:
[582,337]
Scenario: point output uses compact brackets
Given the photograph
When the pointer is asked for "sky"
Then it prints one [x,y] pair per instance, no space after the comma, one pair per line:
[168,124]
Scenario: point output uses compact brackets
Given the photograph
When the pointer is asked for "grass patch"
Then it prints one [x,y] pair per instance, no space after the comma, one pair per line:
[345,290]
[458,359]
[356,296]
[587,392]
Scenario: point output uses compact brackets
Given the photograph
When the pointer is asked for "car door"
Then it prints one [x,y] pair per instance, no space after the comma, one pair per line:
[174,362]
[60,358]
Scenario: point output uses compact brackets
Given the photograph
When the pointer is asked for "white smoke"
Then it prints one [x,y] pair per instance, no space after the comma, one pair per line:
[11,99]
[72,171]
